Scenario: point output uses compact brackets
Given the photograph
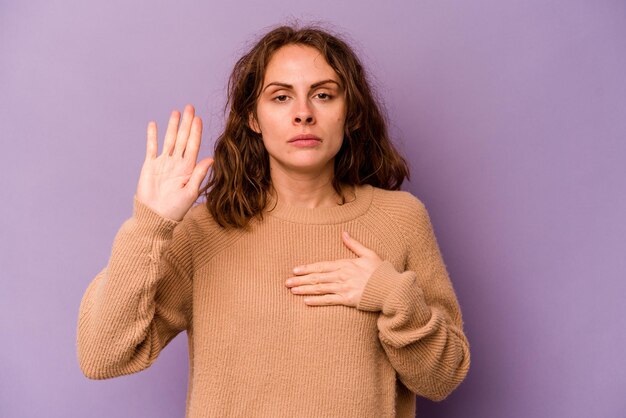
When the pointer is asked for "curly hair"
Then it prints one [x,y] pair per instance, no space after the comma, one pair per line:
[239,183]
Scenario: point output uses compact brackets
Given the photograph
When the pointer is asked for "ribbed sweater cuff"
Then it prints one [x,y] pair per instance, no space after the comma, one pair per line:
[379,286]
[150,221]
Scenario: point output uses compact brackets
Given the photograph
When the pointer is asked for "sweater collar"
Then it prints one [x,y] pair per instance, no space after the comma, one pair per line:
[328,215]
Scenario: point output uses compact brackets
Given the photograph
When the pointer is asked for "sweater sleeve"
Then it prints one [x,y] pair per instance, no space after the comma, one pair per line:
[136,305]
[420,325]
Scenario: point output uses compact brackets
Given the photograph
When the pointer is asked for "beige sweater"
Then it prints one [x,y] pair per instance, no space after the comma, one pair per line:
[255,349]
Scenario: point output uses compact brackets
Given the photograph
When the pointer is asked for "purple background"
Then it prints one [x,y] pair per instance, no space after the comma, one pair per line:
[513,117]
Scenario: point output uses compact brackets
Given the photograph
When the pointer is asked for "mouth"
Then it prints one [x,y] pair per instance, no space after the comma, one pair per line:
[305,138]
[305,141]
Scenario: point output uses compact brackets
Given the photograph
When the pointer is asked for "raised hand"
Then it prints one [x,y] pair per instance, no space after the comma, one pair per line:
[170,183]
[339,282]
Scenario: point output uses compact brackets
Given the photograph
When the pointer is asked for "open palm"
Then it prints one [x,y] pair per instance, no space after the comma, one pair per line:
[170,183]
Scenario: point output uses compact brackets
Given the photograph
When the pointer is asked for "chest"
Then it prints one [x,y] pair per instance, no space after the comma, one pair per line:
[243,287]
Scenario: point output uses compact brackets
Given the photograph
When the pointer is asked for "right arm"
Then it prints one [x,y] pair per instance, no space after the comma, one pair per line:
[142,299]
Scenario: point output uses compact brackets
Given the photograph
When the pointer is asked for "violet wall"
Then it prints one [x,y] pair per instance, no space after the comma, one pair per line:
[512,114]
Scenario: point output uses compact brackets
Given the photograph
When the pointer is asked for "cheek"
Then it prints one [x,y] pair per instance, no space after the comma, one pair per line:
[270,122]
[341,120]
[340,125]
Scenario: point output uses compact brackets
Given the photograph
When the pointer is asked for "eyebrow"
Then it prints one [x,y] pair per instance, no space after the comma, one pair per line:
[289,86]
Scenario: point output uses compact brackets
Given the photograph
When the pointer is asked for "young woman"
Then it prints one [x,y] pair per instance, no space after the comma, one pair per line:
[307,284]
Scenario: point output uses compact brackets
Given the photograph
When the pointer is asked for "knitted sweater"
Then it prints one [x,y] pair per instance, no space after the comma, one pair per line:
[256,349]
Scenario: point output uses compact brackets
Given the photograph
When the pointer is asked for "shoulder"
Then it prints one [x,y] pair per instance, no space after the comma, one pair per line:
[205,234]
[402,207]
[199,220]
[403,213]
[399,223]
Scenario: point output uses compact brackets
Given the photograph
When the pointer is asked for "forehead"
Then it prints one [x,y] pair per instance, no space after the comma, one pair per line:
[292,63]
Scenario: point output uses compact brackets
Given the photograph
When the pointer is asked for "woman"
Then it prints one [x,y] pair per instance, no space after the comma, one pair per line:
[306,285]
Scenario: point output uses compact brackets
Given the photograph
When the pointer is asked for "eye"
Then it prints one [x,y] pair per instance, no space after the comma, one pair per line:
[324,96]
[282,98]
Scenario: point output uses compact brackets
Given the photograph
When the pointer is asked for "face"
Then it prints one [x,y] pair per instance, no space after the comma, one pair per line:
[301,112]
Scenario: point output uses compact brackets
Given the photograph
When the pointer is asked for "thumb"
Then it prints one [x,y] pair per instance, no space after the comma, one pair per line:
[354,246]
[199,173]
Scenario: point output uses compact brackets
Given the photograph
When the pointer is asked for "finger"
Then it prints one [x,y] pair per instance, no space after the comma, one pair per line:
[354,245]
[313,278]
[325,300]
[195,137]
[152,142]
[170,134]
[321,267]
[183,131]
[316,289]
[199,173]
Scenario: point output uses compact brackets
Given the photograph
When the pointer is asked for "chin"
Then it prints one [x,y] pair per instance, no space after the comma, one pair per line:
[307,165]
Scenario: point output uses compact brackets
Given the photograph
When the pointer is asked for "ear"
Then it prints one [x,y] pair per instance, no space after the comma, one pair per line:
[254,125]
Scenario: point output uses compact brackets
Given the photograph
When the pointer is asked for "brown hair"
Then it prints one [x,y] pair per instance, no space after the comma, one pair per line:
[239,182]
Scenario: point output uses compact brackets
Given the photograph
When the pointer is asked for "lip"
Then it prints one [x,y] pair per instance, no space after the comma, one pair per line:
[305,138]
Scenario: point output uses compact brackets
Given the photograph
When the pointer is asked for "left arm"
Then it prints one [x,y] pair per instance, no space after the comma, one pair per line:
[420,325]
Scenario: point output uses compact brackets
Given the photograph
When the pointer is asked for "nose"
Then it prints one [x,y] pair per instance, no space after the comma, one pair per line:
[304,114]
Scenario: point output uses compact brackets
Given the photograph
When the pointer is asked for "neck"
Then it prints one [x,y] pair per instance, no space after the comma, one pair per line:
[305,190]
